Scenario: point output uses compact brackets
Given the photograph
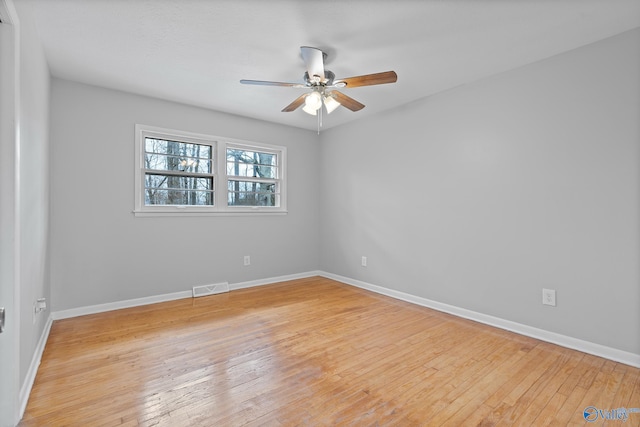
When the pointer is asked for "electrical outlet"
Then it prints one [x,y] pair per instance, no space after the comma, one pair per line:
[364,261]
[549,297]
[39,306]
[247,260]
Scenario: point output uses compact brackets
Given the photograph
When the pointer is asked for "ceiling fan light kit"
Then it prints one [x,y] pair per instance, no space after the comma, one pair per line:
[313,101]
[330,103]
[323,84]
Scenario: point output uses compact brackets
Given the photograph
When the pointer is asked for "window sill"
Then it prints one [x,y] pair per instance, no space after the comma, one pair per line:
[184,213]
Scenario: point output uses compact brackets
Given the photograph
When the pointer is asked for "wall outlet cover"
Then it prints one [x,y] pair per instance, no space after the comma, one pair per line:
[549,297]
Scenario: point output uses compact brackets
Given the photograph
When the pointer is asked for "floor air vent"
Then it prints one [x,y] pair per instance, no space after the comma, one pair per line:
[204,290]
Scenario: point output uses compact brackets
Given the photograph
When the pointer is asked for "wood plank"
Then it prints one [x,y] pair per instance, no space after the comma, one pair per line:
[311,352]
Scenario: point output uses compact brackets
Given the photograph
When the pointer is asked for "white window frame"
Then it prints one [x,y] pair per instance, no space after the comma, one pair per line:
[220,179]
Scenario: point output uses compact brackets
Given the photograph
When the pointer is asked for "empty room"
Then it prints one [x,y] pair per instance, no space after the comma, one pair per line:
[358,213]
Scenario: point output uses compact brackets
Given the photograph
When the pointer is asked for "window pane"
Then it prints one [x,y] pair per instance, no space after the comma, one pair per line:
[179,197]
[251,163]
[178,190]
[162,154]
[244,193]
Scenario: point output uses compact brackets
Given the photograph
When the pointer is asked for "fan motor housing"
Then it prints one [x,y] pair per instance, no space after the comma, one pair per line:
[329,76]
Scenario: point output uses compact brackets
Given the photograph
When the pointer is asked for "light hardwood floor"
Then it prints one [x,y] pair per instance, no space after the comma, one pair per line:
[313,352]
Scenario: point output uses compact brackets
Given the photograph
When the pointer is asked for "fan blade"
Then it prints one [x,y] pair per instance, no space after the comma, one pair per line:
[267,83]
[295,104]
[346,101]
[314,60]
[368,79]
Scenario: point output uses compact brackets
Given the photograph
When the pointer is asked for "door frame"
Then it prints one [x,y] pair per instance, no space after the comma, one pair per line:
[9,213]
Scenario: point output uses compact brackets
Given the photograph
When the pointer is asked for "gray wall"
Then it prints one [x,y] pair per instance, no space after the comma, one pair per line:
[101,253]
[477,197]
[481,196]
[33,190]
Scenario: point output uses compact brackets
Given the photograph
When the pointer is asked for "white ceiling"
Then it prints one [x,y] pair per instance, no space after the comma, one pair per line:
[196,51]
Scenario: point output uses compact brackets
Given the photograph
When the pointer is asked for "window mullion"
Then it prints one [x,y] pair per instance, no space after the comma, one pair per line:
[252,179]
[178,173]
[221,183]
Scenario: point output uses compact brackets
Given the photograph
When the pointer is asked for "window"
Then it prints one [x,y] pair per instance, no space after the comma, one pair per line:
[252,177]
[182,173]
[177,173]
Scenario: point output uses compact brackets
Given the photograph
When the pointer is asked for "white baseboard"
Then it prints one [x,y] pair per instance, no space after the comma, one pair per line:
[271,280]
[614,354]
[27,385]
[100,308]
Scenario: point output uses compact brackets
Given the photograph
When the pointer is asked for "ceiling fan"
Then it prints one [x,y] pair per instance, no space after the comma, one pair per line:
[323,83]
